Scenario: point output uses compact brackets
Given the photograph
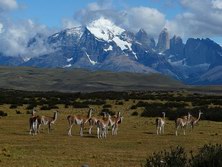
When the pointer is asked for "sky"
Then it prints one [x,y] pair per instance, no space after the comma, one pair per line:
[22,19]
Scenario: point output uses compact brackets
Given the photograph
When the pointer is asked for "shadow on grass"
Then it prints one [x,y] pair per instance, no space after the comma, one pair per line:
[165,134]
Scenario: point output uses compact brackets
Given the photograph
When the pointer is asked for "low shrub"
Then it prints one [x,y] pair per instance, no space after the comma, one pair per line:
[173,158]
[18,112]
[107,106]
[208,156]
[3,114]
[135,113]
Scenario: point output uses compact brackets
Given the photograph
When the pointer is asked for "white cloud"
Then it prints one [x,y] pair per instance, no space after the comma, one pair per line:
[14,38]
[69,23]
[149,19]
[1,28]
[199,19]
[217,4]
[132,19]
[8,5]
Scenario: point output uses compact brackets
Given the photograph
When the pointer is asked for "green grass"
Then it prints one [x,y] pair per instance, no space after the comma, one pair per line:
[71,80]
[136,140]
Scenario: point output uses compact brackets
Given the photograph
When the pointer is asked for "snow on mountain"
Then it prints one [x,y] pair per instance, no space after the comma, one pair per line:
[69,59]
[90,60]
[110,48]
[104,29]
[75,31]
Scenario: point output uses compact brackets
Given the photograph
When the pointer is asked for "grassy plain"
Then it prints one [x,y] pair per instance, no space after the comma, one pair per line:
[136,139]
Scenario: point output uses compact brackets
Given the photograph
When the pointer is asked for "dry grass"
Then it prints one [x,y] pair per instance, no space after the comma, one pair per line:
[135,141]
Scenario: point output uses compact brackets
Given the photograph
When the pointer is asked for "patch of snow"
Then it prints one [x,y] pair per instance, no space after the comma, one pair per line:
[124,45]
[135,55]
[78,31]
[110,48]
[138,43]
[69,59]
[55,35]
[90,60]
[67,66]
[26,59]
[104,29]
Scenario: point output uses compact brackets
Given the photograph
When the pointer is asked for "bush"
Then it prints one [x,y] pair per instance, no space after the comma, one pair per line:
[119,103]
[48,107]
[133,107]
[13,106]
[31,106]
[3,114]
[107,106]
[18,112]
[173,158]
[106,110]
[209,155]
[135,113]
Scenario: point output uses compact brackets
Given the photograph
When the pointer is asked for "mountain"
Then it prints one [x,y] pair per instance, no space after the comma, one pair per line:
[10,61]
[163,41]
[102,45]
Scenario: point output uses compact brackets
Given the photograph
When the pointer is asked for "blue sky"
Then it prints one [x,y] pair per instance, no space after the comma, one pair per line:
[51,12]
[22,19]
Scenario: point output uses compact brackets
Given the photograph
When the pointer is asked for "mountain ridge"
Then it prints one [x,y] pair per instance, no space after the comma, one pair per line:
[102,45]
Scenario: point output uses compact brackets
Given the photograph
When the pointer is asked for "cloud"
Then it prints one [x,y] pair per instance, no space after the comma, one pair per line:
[201,18]
[15,36]
[69,23]
[217,4]
[132,19]
[149,19]
[6,5]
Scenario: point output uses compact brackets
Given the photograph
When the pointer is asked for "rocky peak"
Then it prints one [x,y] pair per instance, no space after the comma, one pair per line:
[163,41]
[143,38]
[177,47]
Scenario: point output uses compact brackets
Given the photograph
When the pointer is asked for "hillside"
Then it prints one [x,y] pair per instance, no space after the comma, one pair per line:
[42,79]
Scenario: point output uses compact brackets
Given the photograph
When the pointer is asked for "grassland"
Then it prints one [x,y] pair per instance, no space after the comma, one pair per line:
[136,139]
[73,80]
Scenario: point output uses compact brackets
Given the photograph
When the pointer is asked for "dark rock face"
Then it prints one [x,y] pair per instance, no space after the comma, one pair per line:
[177,47]
[10,61]
[144,39]
[202,51]
[163,41]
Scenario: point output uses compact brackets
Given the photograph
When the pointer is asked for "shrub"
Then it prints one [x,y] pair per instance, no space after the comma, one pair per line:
[106,110]
[209,155]
[48,107]
[80,105]
[133,107]
[173,158]
[13,106]
[3,114]
[18,112]
[119,103]
[107,106]
[135,113]
[31,106]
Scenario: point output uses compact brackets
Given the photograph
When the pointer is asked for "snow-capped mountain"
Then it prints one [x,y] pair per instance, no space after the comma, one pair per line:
[102,45]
